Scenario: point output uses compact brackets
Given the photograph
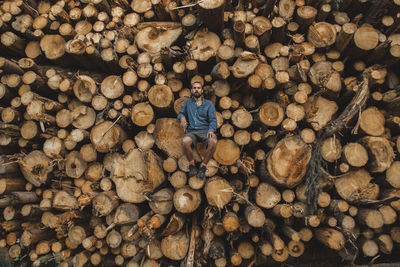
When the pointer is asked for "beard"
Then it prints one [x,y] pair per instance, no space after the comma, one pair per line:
[196,94]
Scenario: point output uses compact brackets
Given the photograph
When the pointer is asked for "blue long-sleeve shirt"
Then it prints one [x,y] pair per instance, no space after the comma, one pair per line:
[199,118]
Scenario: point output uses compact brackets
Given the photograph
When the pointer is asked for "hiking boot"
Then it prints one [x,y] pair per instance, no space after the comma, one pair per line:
[192,170]
[202,172]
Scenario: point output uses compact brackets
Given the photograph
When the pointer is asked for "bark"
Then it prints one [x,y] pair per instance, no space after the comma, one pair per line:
[211,13]
[11,184]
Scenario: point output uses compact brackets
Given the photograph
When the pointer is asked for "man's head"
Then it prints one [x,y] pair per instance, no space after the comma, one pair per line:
[197,89]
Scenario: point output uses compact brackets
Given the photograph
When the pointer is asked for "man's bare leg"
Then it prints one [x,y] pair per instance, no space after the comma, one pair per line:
[187,145]
[212,144]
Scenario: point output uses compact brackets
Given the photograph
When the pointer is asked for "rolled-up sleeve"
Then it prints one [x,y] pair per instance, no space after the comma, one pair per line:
[182,113]
[212,119]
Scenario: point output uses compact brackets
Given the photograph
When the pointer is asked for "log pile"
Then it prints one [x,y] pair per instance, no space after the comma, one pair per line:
[91,164]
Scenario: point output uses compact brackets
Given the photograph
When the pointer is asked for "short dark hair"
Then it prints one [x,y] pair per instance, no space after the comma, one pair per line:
[198,83]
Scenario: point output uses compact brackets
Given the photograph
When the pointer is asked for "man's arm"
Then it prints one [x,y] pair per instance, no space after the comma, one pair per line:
[182,116]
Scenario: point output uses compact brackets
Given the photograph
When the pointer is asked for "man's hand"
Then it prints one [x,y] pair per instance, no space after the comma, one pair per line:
[210,135]
[184,123]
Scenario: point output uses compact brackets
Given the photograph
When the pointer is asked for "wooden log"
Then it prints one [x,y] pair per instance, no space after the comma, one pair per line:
[162,201]
[321,34]
[239,32]
[226,152]
[75,166]
[105,135]
[168,134]
[296,248]
[13,43]
[112,87]
[371,218]
[294,146]
[278,29]
[160,96]
[230,222]
[271,114]
[358,181]
[370,115]
[186,200]
[244,65]
[325,110]
[84,88]
[36,167]
[104,203]
[19,197]
[175,246]
[10,67]
[114,239]
[64,201]
[379,151]
[306,16]
[30,237]
[124,214]
[282,210]
[11,184]
[366,37]
[138,173]
[391,175]
[370,248]
[330,237]
[218,192]
[152,34]
[211,13]
[267,196]
[355,154]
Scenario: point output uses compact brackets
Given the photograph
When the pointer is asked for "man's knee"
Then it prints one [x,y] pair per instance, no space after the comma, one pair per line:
[212,141]
[187,141]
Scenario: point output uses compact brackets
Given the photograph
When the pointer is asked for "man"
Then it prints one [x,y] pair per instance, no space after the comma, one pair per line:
[201,116]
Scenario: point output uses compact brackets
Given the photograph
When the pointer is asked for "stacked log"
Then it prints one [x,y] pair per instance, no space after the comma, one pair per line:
[92,169]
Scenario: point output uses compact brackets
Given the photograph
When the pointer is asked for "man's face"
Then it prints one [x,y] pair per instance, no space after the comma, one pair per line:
[196,91]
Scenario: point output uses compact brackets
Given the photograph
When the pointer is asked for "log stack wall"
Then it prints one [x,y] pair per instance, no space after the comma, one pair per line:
[91,164]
